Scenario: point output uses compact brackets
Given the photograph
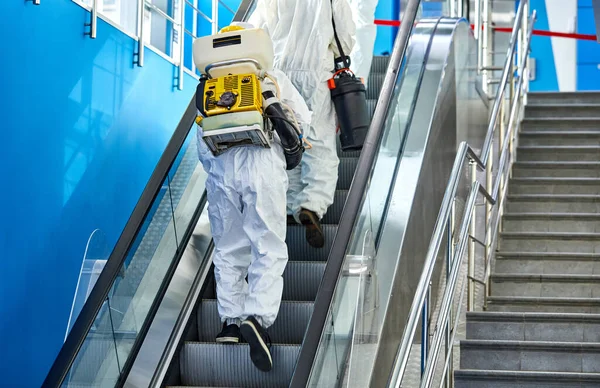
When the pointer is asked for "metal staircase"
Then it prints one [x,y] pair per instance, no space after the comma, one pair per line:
[542,327]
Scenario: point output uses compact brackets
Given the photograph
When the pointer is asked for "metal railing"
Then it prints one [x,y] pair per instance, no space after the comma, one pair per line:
[177,19]
[506,114]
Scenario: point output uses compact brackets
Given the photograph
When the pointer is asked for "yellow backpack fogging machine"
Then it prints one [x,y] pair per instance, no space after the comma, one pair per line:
[237,100]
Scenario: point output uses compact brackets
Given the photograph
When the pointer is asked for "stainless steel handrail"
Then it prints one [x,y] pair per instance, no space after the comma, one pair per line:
[494,197]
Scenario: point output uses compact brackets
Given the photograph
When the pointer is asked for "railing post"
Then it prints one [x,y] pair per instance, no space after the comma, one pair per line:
[215,16]
[181,45]
[478,35]
[140,32]
[486,45]
[471,253]
[93,24]
[525,51]
[194,30]
[449,383]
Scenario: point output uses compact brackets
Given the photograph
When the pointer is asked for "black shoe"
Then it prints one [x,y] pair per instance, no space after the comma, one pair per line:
[260,344]
[229,335]
[314,232]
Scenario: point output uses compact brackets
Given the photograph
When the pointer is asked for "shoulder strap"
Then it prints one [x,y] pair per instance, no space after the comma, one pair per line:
[344,59]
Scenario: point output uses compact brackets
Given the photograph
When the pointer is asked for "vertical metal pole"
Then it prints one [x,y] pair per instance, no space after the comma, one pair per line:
[478,34]
[524,50]
[194,30]
[181,44]
[488,217]
[471,270]
[485,44]
[140,32]
[215,16]
[424,333]
[93,24]
[448,383]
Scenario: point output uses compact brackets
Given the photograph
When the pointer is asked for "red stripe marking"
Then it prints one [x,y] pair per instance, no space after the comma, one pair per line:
[396,23]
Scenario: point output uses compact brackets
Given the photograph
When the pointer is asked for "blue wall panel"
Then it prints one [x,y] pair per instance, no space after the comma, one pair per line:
[541,50]
[588,52]
[82,130]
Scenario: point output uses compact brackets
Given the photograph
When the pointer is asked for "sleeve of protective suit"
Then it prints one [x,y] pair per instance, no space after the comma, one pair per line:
[292,98]
[344,26]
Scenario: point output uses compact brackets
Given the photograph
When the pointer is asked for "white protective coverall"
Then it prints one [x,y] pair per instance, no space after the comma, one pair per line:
[363,13]
[246,191]
[302,34]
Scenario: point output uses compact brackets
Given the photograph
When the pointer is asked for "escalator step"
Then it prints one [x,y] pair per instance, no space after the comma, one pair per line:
[298,248]
[346,170]
[289,327]
[301,281]
[380,64]
[374,85]
[334,213]
[215,365]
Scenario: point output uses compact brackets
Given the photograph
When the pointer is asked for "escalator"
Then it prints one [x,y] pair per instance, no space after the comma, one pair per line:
[151,319]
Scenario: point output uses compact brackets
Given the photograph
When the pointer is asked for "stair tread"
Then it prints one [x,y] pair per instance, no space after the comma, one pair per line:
[554,197]
[544,215]
[506,316]
[550,119]
[533,375]
[546,277]
[543,300]
[556,180]
[547,255]
[558,147]
[557,235]
[566,346]
[577,132]
[569,164]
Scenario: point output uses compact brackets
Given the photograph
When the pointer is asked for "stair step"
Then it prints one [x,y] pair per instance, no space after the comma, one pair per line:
[559,138]
[556,169]
[554,203]
[561,123]
[301,280]
[467,378]
[216,365]
[540,285]
[547,263]
[544,304]
[591,110]
[511,326]
[298,248]
[554,186]
[550,242]
[563,98]
[289,327]
[530,356]
[558,153]
[551,222]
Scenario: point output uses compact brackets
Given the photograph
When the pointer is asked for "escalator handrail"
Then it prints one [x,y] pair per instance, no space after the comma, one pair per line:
[93,304]
[354,201]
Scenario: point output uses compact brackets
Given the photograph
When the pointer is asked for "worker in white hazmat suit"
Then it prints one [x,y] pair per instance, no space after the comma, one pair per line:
[303,39]
[363,14]
[246,190]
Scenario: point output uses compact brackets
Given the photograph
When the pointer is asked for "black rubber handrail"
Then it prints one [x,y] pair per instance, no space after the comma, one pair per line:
[81,328]
[353,204]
